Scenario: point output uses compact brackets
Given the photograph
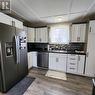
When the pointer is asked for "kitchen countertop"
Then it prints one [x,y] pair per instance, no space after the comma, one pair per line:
[68,53]
[62,52]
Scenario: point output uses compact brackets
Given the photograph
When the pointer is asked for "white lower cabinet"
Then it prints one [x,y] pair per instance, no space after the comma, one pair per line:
[32,59]
[57,61]
[72,63]
[75,64]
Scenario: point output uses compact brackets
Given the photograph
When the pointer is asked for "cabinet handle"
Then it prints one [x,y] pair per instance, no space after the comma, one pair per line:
[13,23]
[87,54]
[78,58]
[57,59]
[72,63]
[90,29]
[40,39]
[72,58]
[34,39]
[78,38]
[72,68]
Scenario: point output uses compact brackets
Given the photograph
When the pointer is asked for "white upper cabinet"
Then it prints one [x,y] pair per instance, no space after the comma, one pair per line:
[92,26]
[25,28]
[10,21]
[17,23]
[31,35]
[42,35]
[78,33]
[5,19]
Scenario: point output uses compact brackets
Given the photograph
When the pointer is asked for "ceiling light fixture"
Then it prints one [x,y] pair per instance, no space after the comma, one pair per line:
[59,18]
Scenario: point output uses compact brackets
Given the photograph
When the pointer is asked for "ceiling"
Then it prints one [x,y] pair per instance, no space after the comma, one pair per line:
[52,11]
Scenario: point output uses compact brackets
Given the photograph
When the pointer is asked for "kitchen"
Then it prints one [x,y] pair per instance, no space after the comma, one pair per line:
[59,39]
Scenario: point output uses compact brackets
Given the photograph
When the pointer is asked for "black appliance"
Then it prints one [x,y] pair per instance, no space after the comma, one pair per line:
[13,56]
[93,92]
[42,59]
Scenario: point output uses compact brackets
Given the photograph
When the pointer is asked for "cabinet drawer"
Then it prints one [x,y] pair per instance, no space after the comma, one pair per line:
[58,55]
[72,61]
[73,65]
[72,56]
[71,69]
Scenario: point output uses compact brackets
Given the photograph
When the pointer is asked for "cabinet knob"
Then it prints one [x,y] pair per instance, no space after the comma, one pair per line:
[90,29]
[72,59]
[72,63]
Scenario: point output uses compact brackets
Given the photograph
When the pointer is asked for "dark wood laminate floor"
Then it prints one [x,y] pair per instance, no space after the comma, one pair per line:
[74,85]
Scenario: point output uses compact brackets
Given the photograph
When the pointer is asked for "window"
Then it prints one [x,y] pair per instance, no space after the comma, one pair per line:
[59,34]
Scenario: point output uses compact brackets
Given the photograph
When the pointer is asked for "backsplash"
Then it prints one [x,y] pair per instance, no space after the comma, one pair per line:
[37,47]
[71,47]
[67,47]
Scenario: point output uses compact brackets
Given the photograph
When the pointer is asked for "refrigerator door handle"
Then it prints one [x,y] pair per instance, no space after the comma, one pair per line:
[17,49]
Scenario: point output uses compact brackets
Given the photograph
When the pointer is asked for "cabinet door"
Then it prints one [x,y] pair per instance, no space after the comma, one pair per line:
[92,26]
[74,33]
[34,59]
[5,19]
[38,35]
[78,32]
[61,65]
[81,61]
[82,32]
[29,60]
[44,35]
[31,35]
[57,62]
[17,23]
[25,28]
[52,62]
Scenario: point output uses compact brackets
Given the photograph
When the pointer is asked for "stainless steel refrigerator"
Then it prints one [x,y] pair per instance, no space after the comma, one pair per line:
[13,56]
